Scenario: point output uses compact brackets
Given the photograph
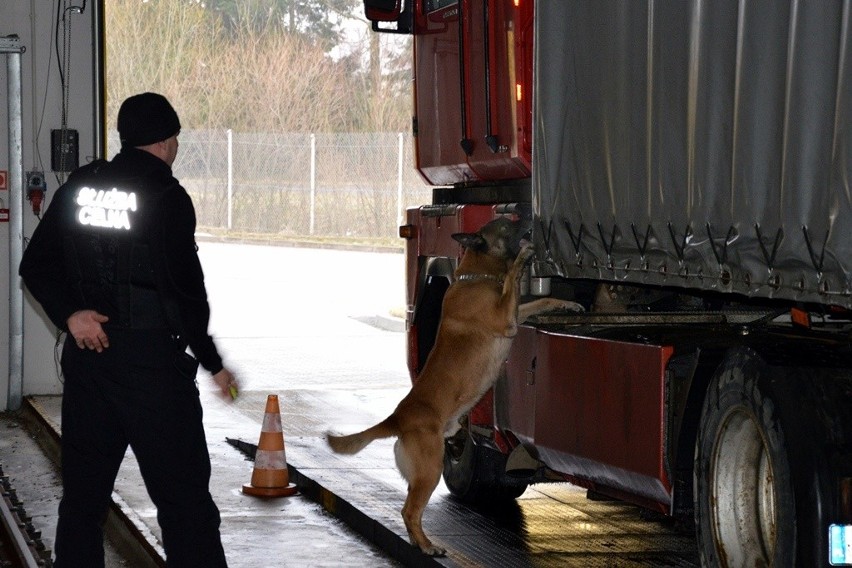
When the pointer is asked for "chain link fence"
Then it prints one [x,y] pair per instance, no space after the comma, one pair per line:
[346,187]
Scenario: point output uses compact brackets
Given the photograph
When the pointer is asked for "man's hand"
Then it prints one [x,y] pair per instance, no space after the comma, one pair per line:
[85,327]
[227,384]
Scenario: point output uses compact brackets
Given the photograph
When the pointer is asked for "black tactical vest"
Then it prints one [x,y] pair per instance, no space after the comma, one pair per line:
[111,225]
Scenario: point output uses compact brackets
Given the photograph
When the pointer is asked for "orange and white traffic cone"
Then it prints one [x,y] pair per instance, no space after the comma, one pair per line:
[270,477]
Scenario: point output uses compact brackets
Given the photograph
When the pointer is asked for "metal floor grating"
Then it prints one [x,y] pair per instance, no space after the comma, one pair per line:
[550,525]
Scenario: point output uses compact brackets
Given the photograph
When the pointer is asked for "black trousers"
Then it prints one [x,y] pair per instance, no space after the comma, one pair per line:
[133,394]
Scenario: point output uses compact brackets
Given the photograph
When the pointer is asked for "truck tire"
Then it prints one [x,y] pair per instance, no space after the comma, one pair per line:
[744,496]
[476,474]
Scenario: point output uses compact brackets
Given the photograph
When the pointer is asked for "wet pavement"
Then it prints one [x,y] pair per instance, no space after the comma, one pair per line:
[256,533]
[347,510]
[334,364]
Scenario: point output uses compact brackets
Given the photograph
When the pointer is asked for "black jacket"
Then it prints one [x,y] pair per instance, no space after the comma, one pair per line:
[119,238]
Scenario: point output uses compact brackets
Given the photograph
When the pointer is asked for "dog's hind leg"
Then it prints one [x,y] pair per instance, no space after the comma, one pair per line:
[422,455]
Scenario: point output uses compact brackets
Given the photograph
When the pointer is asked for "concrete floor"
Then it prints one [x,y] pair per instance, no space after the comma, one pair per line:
[343,375]
[256,533]
[36,481]
[343,497]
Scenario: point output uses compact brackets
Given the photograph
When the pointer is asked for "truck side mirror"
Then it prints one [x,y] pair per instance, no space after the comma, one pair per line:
[396,12]
[382,10]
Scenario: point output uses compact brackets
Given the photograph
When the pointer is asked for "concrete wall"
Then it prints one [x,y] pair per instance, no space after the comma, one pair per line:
[34,21]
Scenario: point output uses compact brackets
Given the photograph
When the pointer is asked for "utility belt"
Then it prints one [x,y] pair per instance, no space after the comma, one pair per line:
[162,337]
[156,343]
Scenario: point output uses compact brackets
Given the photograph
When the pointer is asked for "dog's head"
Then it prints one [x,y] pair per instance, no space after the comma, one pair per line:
[502,238]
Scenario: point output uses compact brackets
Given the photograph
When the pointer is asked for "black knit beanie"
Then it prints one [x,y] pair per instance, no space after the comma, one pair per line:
[146,118]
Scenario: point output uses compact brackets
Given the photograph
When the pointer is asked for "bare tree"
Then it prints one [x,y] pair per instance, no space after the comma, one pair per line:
[254,77]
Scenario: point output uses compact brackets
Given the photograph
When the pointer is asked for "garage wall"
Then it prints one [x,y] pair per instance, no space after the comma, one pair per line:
[35,22]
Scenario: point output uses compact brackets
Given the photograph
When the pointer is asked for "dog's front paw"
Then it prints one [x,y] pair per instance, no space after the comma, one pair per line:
[511,330]
[525,254]
[546,305]
[570,306]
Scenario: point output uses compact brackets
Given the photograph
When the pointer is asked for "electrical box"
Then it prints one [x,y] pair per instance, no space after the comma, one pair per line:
[64,150]
[36,182]
[36,188]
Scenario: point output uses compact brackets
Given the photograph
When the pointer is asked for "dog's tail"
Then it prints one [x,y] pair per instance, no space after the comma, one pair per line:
[354,443]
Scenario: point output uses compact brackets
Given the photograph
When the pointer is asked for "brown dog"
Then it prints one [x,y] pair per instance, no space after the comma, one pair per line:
[479,318]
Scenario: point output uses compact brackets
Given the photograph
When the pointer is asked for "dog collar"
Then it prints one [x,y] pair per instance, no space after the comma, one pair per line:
[498,279]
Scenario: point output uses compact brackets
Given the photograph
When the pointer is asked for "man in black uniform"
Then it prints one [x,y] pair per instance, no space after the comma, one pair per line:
[114,264]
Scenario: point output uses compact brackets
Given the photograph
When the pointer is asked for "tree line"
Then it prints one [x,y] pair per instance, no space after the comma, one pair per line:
[258,65]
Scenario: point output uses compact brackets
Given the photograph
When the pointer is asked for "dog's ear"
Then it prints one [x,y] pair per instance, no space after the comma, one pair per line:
[472,241]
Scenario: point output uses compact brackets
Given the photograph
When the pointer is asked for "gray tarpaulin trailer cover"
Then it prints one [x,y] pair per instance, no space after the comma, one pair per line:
[696,144]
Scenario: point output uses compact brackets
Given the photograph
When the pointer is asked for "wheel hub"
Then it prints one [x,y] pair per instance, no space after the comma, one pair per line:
[743,488]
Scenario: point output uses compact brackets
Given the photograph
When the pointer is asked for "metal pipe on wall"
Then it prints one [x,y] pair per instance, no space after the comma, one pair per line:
[11,47]
[99,137]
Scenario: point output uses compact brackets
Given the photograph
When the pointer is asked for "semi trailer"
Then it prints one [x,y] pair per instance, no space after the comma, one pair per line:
[687,170]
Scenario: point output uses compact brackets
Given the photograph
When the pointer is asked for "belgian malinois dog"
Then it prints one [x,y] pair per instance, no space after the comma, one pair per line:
[480,316]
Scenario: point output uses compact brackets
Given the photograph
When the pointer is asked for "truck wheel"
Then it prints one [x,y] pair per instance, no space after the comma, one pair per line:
[744,495]
[475,473]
